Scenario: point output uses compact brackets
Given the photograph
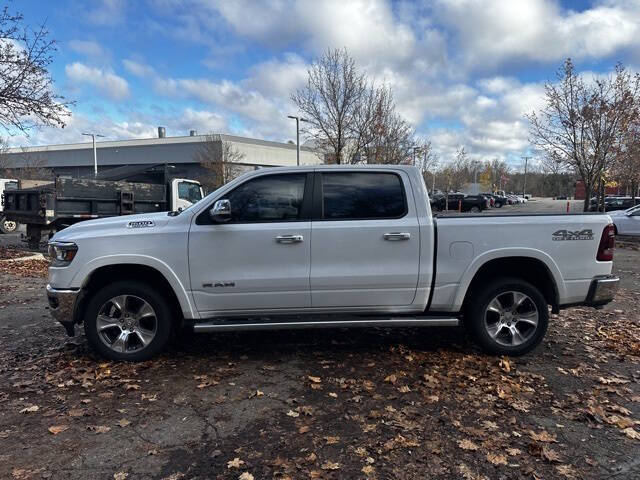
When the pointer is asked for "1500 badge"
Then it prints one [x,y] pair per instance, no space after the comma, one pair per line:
[586,234]
[141,224]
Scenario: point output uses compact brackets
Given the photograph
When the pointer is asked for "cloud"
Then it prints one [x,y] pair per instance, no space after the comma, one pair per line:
[138,69]
[133,125]
[107,82]
[88,48]
[492,32]
[106,12]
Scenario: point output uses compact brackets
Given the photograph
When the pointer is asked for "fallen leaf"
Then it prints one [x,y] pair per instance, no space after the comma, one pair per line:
[332,440]
[543,436]
[311,457]
[304,429]
[330,465]
[31,409]
[513,451]
[467,444]
[56,429]
[612,380]
[368,470]
[98,428]
[550,454]
[566,470]
[123,422]
[404,389]
[120,475]
[291,413]
[497,458]
[333,394]
[631,433]
[314,379]
[235,463]
[245,476]
[391,378]
[132,386]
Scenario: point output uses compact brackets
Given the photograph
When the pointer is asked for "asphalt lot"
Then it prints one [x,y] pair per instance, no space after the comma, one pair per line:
[377,403]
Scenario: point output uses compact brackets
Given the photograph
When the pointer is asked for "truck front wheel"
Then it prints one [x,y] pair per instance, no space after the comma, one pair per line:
[128,320]
[507,317]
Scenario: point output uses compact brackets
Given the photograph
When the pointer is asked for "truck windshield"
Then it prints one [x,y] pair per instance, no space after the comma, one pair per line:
[11,186]
[189,191]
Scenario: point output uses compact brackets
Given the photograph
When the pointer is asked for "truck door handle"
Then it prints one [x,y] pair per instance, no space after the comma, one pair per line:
[396,236]
[289,238]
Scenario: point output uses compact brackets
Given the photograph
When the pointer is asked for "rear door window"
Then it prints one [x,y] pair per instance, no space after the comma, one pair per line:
[362,196]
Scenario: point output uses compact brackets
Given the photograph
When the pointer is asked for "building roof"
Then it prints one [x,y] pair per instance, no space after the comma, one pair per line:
[136,142]
[156,150]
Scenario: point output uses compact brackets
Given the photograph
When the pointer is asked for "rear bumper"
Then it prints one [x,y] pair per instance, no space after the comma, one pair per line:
[62,304]
[603,289]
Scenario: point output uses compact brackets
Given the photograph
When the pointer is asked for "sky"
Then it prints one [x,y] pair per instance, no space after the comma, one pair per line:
[463,72]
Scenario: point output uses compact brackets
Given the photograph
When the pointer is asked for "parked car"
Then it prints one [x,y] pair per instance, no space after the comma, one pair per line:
[360,249]
[498,200]
[627,222]
[466,203]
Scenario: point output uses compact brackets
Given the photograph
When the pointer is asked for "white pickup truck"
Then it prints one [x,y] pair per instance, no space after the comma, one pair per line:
[324,246]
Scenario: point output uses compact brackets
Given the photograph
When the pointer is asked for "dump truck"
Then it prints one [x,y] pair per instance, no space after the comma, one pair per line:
[53,206]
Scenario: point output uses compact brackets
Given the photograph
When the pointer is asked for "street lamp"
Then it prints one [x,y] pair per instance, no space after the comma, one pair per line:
[95,155]
[298,120]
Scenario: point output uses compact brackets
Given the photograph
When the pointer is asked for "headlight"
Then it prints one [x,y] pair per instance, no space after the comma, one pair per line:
[62,253]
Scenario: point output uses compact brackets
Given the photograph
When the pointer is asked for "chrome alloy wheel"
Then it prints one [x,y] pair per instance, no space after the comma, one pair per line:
[511,318]
[126,324]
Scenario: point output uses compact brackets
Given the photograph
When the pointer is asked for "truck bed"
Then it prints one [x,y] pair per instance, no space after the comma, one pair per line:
[69,199]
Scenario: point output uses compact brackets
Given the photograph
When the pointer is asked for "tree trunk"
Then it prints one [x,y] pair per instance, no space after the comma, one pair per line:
[587,196]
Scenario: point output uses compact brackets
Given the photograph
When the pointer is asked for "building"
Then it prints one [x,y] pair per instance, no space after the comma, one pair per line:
[76,159]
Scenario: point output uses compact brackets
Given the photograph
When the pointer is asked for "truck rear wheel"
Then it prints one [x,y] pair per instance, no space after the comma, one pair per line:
[128,320]
[7,226]
[507,317]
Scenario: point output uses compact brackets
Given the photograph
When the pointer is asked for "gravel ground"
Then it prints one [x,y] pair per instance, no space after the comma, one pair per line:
[378,403]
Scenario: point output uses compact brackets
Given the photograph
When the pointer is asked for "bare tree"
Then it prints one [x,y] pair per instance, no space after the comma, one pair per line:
[581,122]
[626,169]
[25,165]
[380,135]
[27,97]
[331,102]
[220,159]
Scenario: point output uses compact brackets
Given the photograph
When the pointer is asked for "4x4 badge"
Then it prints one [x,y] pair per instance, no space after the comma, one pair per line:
[586,234]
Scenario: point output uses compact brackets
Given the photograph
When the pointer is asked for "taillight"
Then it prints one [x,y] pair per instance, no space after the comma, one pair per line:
[607,244]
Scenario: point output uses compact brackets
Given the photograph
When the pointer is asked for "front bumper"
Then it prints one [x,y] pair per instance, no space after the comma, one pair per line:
[62,304]
[602,290]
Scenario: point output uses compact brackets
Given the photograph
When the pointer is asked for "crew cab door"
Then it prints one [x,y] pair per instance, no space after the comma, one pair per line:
[365,241]
[260,258]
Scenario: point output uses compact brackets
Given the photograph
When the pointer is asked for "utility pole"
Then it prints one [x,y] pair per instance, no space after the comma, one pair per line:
[524,185]
[298,120]
[95,155]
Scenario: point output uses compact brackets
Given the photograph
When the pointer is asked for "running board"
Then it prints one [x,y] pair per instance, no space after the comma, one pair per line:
[348,323]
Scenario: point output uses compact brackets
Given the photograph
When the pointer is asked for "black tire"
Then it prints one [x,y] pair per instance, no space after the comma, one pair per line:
[474,316]
[475,209]
[498,204]
[8,227]
[154,297]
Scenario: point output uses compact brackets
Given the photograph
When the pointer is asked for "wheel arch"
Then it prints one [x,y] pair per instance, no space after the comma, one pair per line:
[542,273]
[104,270]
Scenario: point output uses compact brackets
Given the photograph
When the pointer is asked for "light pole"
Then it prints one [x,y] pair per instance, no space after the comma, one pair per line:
[95,155]
[298,120]
[524,184]
[433,186]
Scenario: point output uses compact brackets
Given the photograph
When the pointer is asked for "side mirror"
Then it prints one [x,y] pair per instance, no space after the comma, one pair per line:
[221,211]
